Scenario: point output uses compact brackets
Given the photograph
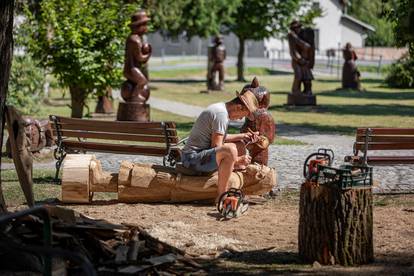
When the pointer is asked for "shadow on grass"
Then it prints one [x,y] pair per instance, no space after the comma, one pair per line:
[365,110]
[178,81]
[368,80]
[267,262]
[382,95]
[259,262]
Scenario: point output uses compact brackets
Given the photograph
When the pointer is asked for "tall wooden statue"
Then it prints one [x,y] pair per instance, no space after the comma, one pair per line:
[216,57]
[263,123]
[302,51]
[350,73]
[135,90]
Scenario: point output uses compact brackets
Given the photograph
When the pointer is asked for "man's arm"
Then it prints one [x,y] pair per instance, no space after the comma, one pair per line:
[217,140]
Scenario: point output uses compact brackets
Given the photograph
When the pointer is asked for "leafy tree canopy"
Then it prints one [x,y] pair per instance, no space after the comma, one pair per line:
[401,15]
[191,17]
[80,41]
[370,11]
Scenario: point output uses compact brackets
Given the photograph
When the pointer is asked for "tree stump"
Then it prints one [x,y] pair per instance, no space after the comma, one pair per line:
[335,224]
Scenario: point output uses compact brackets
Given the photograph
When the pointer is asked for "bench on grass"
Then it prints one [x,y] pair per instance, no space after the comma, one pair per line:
[383,139]
[119,137]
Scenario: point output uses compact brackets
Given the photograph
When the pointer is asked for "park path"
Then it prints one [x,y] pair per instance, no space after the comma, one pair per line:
[287,159]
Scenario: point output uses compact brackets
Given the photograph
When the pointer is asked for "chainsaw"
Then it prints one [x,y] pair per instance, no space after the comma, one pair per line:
[232,203]
[322,157]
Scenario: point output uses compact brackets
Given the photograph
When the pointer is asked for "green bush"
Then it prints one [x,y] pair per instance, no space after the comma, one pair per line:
[26,85]
[401,73]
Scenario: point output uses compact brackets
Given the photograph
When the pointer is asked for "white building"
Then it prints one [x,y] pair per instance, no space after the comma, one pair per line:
[332,31]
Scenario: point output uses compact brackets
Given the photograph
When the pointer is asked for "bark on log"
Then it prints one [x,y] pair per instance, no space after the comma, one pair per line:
[335,225]
[6,52]
[153,183]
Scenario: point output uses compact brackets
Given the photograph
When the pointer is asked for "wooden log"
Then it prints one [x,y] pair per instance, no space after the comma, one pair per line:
[152,183]
[76,178]
[335,225]
[83,175]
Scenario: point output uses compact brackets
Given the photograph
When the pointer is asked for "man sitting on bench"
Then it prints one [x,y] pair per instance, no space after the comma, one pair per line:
[210,148]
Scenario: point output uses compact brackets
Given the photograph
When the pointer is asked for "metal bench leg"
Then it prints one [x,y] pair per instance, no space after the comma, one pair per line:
[59,156]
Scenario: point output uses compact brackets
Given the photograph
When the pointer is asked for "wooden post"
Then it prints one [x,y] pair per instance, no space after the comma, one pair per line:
[335,224]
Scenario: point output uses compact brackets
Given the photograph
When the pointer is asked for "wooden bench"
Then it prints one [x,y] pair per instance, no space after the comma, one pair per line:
[382,139]
[119,137]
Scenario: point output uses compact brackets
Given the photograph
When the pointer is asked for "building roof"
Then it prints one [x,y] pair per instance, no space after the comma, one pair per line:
[361,24]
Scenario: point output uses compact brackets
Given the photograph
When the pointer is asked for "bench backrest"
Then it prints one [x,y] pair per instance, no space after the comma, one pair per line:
[157,137]
[384,139]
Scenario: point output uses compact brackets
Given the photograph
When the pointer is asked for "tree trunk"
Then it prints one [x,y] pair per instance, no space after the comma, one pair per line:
[105,104]
[335,225]
[6,52]
[78,97]
[240,63]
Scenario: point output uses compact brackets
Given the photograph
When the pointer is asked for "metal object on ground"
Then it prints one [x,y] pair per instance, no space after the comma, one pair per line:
[232,203]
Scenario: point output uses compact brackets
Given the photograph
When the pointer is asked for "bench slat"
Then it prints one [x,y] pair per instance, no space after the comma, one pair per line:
[385,146]
[387,131]
[115,148]
[105,124]
[117,136]
[377,160]
[118,128]
[386,138]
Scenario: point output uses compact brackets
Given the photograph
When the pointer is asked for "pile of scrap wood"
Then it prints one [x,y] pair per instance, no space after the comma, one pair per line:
[58,241]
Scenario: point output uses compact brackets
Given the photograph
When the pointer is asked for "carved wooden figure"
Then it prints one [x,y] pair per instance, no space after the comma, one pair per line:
[302,51]
[263,123]
[216,57]
[135,90]
[350,73]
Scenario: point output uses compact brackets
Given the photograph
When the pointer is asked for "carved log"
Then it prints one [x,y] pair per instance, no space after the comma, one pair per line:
[22,157]
[153,183]
[335,225]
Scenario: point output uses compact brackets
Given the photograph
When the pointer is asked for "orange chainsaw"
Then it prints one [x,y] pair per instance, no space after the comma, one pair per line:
[232,203]
[322,157]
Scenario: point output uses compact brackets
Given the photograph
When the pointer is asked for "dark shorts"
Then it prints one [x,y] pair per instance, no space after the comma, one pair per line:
[200,161]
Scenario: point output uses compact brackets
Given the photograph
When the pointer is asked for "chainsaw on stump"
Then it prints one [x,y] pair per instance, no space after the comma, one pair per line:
[232,203]
[322,157]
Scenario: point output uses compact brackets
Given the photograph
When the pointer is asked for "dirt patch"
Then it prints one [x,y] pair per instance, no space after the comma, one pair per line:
[264,240]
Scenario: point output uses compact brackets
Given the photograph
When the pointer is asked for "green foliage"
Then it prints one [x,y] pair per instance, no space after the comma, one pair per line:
[80,41]
[370,11]
[26,85]
[401,73]
[401,14]
[258,19]
[191,17]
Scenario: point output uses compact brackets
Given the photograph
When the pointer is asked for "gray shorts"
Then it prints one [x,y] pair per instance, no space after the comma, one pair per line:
[200,161]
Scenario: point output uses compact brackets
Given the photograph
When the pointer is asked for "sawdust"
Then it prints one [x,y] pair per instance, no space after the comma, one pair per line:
[196,229]
[186,235]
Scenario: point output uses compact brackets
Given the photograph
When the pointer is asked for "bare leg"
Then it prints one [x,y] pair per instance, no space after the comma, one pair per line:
[226,156]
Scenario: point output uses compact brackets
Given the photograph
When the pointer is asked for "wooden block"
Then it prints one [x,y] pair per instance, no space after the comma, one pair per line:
[75,178]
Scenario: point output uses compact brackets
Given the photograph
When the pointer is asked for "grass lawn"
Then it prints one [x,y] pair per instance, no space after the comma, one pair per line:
[337,111]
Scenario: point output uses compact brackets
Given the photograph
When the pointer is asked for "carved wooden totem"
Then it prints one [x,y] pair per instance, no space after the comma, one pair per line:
[135,90]
[216,57]
[263,123]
